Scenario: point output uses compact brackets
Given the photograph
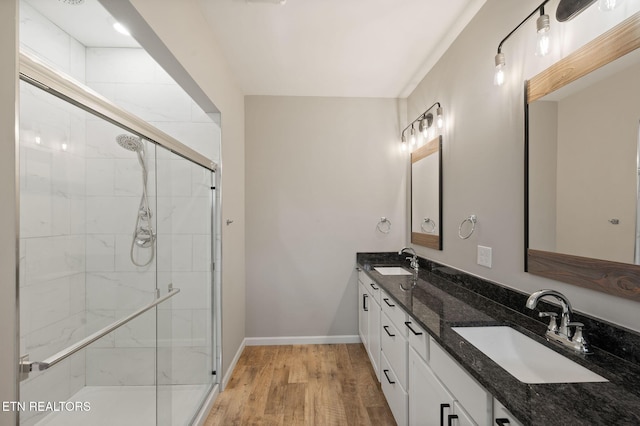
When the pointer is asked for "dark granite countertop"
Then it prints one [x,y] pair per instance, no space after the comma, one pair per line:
[439,301]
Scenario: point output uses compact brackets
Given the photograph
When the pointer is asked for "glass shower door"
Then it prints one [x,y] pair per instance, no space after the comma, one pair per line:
[185,332]
[87,193]
[115,274]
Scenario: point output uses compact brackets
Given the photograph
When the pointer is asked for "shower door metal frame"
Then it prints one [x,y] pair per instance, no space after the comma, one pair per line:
[35,72]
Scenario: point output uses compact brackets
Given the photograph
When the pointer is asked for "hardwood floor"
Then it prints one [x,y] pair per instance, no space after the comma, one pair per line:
[302,385]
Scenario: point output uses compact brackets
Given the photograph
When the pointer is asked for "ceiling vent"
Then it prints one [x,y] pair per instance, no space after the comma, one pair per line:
[266,1]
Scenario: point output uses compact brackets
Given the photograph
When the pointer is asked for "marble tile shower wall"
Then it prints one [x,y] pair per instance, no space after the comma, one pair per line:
[50,43]
[133,80]
[115,287]
[52,222]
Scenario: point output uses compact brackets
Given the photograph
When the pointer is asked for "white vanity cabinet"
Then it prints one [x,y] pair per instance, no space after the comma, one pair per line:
[423,384]
[369,319]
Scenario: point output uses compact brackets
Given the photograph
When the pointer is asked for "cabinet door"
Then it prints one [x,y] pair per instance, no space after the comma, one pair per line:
[373,337]
[429,402]
[363,313]
[394,393]
[459,417]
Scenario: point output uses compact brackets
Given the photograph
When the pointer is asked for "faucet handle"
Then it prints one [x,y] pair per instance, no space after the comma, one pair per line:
[580,343]
[553,322]
[577,334]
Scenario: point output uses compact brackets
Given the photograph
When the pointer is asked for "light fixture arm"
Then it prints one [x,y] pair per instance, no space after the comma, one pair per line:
[539,8]
[422,116]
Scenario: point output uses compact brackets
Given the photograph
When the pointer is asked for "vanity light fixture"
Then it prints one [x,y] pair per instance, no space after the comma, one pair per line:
[542,47]
[425,125]
[542,25]
[439,118]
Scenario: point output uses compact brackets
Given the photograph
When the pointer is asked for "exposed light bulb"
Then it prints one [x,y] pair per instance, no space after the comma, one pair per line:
[498,78]
[412,141]
[423,127]
[543,43]
[121,29]
[403,146]
[607,5]
[38,140]
[439,118]
[64,146]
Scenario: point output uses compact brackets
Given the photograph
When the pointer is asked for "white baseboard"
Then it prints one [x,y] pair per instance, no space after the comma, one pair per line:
[301,340]
[232,366]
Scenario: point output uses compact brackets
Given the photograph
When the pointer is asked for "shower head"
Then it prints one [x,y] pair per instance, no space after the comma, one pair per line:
[130,143]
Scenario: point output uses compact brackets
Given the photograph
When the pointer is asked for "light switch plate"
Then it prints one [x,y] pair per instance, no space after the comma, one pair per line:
[484,256]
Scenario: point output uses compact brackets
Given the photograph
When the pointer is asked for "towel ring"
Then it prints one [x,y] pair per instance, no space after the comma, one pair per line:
[384,225]
[424,222]
[472,220]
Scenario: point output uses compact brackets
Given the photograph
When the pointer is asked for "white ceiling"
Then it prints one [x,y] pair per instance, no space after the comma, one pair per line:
[344,48]
[88,22]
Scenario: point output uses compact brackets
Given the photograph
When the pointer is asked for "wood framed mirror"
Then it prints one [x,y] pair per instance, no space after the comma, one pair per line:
[426,195]
[582,136]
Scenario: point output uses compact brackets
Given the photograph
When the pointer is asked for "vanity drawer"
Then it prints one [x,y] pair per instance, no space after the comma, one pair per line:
[418,338]
[371,286]
[395,313]
[397,397]
[394,346]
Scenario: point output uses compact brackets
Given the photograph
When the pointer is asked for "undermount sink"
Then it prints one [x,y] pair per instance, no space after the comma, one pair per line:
[391,270]
[524,358]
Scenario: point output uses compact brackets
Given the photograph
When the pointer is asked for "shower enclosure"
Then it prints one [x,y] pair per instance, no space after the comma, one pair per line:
[116,288]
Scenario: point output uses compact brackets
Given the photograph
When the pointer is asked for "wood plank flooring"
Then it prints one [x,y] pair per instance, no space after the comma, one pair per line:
[302,385]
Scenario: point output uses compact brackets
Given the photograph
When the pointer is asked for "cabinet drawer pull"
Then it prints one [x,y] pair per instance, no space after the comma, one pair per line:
[417,333]
[387,376]
[386,328]
[373,286]
[450,419]
[442,407]
[503,422]
[364,302]
[387,302]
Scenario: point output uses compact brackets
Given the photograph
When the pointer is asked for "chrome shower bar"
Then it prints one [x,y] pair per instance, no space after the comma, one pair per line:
[27,366]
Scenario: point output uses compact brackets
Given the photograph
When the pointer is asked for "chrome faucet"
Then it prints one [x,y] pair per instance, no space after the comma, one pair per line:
[413,259]
[563,333]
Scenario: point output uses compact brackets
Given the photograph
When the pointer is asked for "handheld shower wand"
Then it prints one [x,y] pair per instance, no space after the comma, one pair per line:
[143,235]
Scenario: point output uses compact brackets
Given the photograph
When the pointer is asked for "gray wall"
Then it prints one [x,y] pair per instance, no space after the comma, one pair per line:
[320,173]
[484,143]
[8,220]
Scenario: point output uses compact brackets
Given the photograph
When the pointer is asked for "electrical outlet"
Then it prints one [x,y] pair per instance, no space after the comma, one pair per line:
[484,256]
